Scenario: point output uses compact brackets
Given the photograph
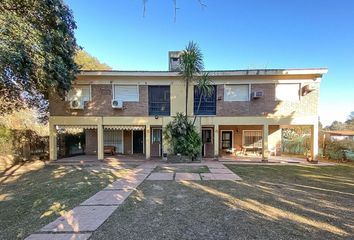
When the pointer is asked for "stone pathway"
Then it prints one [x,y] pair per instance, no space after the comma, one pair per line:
[80,222]
[217,172]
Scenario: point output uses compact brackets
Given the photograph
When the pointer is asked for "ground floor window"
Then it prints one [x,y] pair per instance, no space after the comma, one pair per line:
[226,139]
[114,138]
[252,138]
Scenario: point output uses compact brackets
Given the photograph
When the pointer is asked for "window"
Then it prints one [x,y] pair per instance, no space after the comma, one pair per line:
[226,139]
[126,93]
[236,92]
[207,104]
[159,100]
[80,93]
[207,135]
[287,92]
[252,138]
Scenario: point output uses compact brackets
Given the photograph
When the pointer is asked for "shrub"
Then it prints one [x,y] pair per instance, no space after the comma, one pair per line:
[337,150]
[182,137]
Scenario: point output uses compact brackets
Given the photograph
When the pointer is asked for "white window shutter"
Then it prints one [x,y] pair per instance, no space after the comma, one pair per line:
[236,92]
[126,93]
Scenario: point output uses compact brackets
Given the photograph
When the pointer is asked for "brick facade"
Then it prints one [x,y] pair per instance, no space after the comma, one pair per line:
[100,105]
[307,106]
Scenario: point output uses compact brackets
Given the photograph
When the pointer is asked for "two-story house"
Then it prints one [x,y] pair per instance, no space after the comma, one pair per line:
[129,109]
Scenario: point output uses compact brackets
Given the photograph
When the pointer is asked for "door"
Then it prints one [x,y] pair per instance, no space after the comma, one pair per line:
[156,142]
[208,142]
[138,142]
[226,139]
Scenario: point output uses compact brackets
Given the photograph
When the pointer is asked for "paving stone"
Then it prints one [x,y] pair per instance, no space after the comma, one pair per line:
[187,176]
[223,176]
[221,170]
[124,184]
[80,219]
[207,176]
[59,236]
[140,170]
[160,176]
[215,166]
[113,197]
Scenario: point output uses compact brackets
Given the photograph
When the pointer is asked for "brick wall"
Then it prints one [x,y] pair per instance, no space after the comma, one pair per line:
[101,104]
[307,106]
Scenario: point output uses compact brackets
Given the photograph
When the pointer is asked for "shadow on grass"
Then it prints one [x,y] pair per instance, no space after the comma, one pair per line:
[272,202]
[31,199]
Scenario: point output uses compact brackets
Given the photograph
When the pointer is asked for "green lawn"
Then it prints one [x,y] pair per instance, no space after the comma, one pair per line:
[32,199]
[272,202]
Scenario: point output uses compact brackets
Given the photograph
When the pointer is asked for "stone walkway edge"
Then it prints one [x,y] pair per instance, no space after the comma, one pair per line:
[80,222]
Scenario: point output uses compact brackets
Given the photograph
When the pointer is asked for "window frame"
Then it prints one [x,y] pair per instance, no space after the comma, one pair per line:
[167,101]
[195,103]
[137,91]
[287,100]
[243,137]
[231,140]
[68,98]
[238,84]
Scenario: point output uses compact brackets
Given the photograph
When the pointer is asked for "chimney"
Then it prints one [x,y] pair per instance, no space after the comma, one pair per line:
[174,60]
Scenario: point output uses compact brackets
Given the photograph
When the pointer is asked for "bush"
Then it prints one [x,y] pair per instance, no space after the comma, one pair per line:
[338,150]
[182,137]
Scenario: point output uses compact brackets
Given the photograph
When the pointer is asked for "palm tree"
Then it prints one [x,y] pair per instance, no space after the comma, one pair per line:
[205,88]
[191,65]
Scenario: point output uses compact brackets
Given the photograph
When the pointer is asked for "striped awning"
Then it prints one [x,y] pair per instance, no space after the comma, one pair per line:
[77,126]
[124,127]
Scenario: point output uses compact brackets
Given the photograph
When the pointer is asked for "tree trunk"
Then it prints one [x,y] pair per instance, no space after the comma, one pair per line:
[200,101]
[187,85]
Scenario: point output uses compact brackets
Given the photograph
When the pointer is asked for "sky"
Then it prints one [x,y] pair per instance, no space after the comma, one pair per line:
[232,34]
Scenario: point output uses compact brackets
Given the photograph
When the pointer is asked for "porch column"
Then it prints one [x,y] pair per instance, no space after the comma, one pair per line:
[100,144]
[265,151]
[216,140]
[53,151]
[314,142]
[147,142]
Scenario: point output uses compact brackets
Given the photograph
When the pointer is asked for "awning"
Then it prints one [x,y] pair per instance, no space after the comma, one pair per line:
[124,127]
[77,126]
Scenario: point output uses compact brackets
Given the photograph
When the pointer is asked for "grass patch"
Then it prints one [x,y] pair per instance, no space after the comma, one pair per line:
[272,202]
[30,200]
[182,169]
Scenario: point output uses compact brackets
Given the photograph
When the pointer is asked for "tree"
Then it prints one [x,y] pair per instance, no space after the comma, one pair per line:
[89,62]
[350,121]
[37,47]
[182,137]
[205,88]
[191,65]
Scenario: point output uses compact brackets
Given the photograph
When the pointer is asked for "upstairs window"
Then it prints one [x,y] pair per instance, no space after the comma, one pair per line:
[80,93]
[287,92]
[236,93]
[159,100]
[207,103]
[126,93]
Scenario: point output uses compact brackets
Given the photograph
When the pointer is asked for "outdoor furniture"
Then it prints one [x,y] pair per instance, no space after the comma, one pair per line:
[110,150]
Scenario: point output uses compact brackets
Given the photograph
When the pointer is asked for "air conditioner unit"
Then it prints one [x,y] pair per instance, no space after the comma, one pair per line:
[77,104]
[308,88]
[117,103]
[257,94]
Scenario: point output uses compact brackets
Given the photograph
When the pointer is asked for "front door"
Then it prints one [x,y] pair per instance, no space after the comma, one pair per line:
[138,141]
[156,142]
[208,142]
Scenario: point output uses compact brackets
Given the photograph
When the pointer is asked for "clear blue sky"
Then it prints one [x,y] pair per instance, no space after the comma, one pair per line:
[232,35]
